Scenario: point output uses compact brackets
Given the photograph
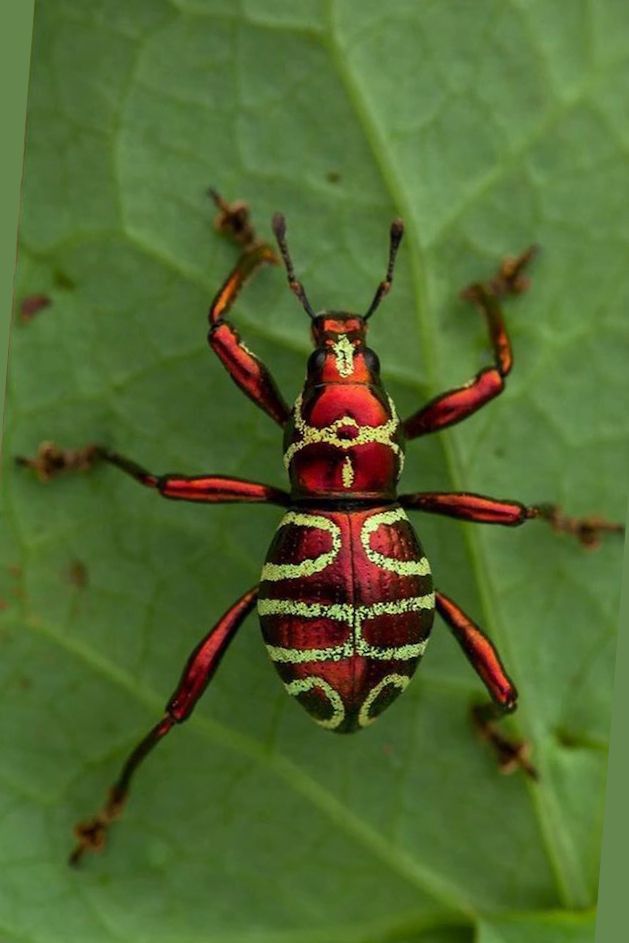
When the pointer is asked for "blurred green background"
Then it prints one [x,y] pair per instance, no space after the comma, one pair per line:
[486,126]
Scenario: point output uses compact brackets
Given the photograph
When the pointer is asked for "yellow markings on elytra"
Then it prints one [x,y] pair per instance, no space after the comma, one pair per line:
[337,612]
[340,612]
[400,681]
[299,656]
[347,472]
[311,435]
[419,567]
[354,617]
[344,353]
[305,568]
[302,685]
[393,607]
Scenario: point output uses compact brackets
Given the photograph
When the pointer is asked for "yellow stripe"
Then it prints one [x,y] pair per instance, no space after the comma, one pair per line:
[354,616]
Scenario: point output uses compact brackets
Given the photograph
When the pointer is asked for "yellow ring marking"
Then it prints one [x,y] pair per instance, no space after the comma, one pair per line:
[338,708]
[292,571]
[419,567]
[400,681]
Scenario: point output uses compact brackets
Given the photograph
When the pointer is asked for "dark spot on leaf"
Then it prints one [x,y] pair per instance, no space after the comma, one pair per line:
[32,305]
[565,738]
[77,574]
[575,740]
[62,280]
[333,176]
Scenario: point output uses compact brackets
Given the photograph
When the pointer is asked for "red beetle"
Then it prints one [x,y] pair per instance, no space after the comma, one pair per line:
[345,598]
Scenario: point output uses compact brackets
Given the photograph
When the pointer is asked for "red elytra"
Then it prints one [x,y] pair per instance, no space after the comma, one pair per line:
[347,619]
[345,599]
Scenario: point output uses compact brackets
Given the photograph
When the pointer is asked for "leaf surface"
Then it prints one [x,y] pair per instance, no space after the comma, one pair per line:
[487,126]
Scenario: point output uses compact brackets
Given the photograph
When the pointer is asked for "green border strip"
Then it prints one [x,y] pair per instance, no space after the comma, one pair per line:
[16,29]
[612,905]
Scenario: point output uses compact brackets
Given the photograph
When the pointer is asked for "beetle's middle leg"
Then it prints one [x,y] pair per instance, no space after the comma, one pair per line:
[203,662]
[51,460]
[249,373]
[480,509]
[457,404]
[486,662]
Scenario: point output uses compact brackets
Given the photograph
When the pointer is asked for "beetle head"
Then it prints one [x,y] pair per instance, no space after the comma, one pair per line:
[341,354]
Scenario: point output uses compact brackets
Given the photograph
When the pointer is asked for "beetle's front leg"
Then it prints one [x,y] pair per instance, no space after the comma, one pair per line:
[486,662]
[249,373]
[51,460]
[457,404]
[480,509]
[198,672]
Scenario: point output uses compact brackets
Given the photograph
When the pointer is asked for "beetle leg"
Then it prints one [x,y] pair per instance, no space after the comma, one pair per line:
[51,460]
[587,530]
[480,652]
[486,662]
[199,670]
[483,510]
[511,753]
[459,403]
[249,373]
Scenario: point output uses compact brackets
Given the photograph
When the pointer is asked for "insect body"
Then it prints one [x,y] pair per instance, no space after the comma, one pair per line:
[345,598]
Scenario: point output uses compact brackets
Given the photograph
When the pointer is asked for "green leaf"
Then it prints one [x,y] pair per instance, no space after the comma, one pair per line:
[487,126]
[560,927]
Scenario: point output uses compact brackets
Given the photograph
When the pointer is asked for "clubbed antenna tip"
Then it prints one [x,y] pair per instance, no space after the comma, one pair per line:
[395,237]
[397,231]
[278,224]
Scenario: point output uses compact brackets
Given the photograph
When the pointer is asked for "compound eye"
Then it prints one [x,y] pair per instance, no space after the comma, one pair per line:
[372,361]
[316,360]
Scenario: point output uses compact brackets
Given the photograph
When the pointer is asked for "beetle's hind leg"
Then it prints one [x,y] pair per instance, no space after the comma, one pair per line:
[203,662]
[512,754]
[486,662]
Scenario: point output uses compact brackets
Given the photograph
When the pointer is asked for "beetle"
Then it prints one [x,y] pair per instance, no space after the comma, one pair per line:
[345,599]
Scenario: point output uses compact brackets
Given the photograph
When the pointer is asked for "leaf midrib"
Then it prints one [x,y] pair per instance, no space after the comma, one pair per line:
[570,879]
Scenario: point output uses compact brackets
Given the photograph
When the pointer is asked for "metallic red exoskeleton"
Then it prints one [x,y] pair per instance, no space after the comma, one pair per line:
[345,598]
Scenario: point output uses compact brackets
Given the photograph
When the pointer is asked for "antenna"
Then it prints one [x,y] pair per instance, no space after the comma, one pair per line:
[279,228]
[395,237]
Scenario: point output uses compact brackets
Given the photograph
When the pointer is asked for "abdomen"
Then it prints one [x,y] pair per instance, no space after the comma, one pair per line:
[346,607]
